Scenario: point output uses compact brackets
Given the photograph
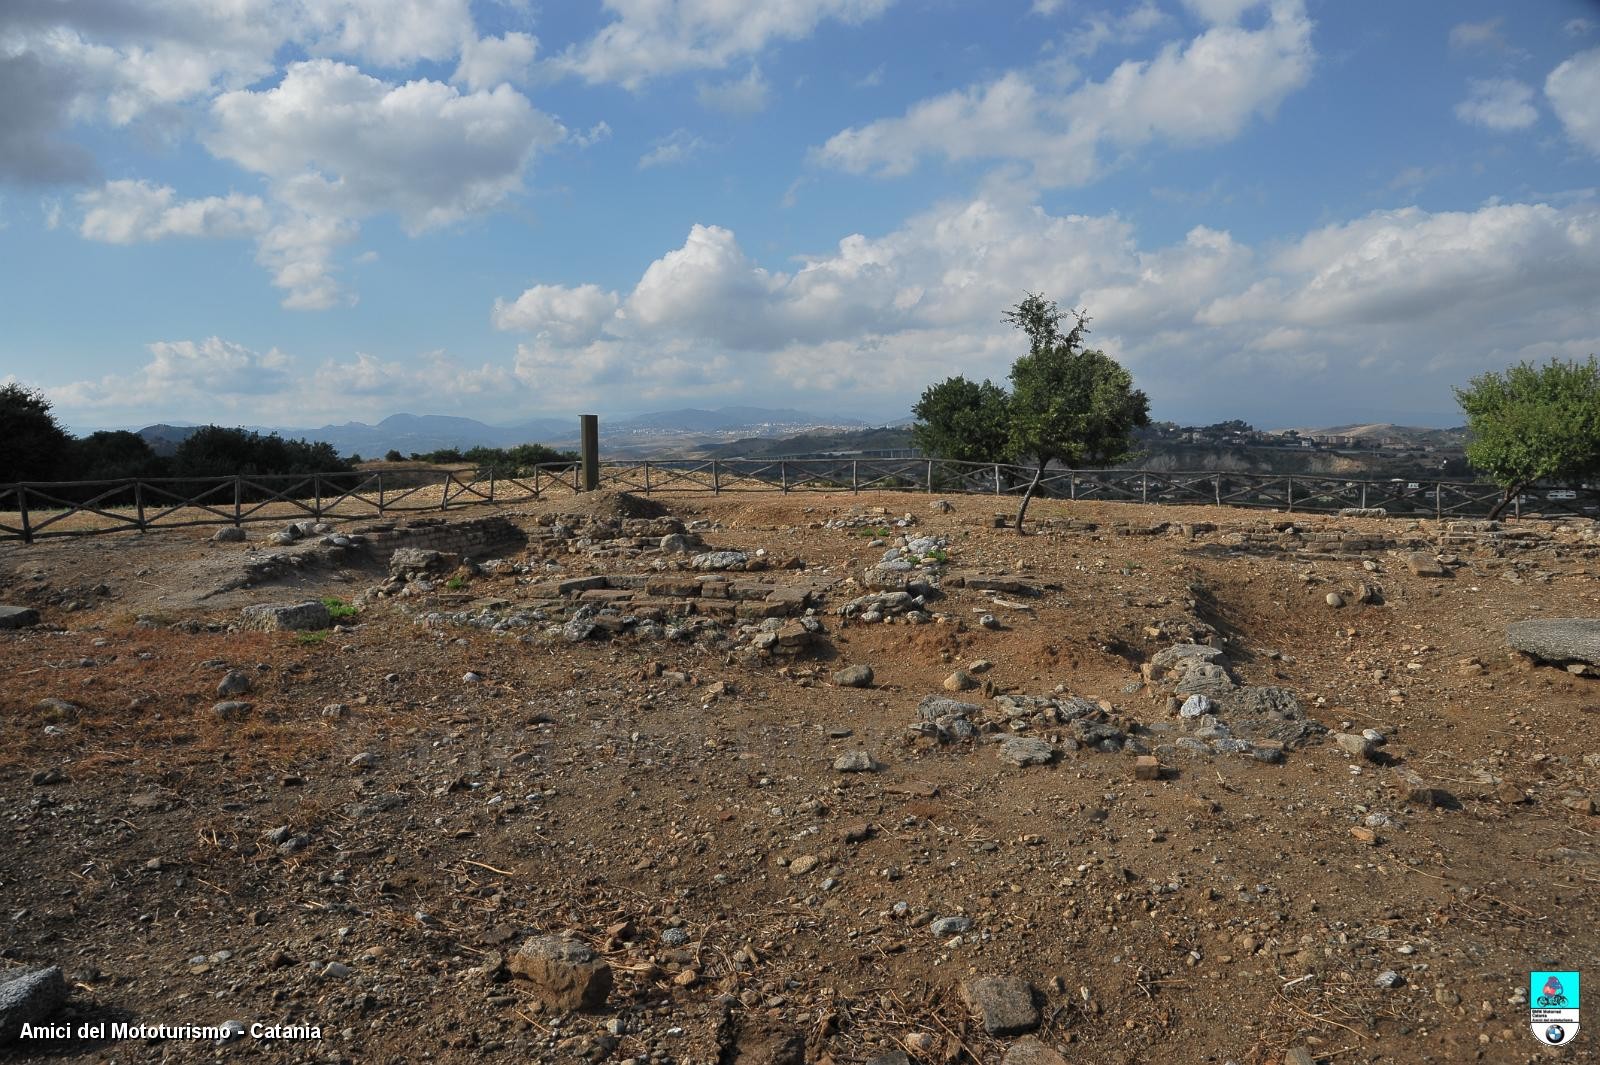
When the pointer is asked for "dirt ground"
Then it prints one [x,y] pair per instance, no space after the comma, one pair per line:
[755,905]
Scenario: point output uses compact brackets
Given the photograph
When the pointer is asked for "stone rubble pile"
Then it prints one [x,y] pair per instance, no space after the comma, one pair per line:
[1222,715]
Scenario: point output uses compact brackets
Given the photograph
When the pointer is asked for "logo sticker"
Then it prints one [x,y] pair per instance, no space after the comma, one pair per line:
[1553,1007]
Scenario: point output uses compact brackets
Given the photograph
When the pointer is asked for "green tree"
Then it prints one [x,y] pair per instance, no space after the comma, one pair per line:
[113,454]
[1534,423]
[393,455]
[33,447]
[964,421]
[1069,404]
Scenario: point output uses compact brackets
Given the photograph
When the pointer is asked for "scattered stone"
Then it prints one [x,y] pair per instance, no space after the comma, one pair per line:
[1026,751]
[1299,1056]
[18,617]
[1334,599]
[1031,1052]
[1354,744]
[890,1057]
[989,621]
[1422,564]
[229,534]
[715,560]
[960,681]
[855,762]
[675,544]
[565,974]
[1146,767]
[30,998]
[804,864]
[233,710]
[1389,980]
[1004,1004]
[950,926]
[1559,640]
[234,682]
[1412,788]
[1195,706]
[304,617]
[854,677]
[335,970]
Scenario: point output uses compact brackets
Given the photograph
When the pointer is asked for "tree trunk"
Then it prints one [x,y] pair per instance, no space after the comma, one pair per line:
[1511,493]
[1027,496]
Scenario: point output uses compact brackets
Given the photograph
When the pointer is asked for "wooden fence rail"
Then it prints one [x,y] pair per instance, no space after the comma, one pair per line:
[35,510]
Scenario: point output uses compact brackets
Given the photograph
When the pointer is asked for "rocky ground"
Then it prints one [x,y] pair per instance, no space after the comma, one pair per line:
[831,778]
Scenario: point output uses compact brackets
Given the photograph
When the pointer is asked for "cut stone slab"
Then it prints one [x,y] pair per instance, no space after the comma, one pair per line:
[1423,564]
[566,974]
[987,582]
[936,706]
[30,998]
[1557,639]
[1026,750]
[1031,1052]
[1004,1004]
[18,617]
[302,617]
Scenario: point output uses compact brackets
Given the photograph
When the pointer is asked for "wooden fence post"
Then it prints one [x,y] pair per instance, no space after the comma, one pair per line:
[1144,488]
[380,493]
[1289,493]
[1363,495]
[783,474]
[492,470]
[444,494]
[316,496]
[855,475]
[1438,502]
[1219,489]
[716,479]
[238,500]
[646,476]
[997,478]
[138,502]
[1072,485]
[930,476]
[22,509]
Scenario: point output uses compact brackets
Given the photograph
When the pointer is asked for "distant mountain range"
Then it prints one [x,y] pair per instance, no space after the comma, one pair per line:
[421,433]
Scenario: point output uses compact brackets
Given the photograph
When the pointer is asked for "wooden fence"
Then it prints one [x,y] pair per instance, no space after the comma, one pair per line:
[34,510]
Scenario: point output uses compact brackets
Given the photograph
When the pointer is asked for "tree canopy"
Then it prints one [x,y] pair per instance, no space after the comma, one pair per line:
[35,447]
[963,420]
[1534,423]
[1067,404]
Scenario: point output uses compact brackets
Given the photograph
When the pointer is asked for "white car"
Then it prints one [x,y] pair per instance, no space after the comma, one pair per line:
[1561,493]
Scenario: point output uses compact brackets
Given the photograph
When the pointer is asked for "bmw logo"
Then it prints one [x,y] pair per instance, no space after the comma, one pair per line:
[1554,1034]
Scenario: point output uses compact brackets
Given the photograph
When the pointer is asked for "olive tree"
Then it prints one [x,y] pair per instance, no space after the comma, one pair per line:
[1534,423]
[1067,404]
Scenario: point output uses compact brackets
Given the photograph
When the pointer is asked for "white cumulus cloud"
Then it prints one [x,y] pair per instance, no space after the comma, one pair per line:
[1499,104]
[337,145]
[1573,89]
[123,212]
[646,39]
[1205,90]
[570,315]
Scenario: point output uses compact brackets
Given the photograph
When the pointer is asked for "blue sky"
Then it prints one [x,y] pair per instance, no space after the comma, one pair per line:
[293,213]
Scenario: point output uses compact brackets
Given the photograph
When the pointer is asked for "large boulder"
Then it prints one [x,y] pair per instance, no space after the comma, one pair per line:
[272,617]
[1557,639]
